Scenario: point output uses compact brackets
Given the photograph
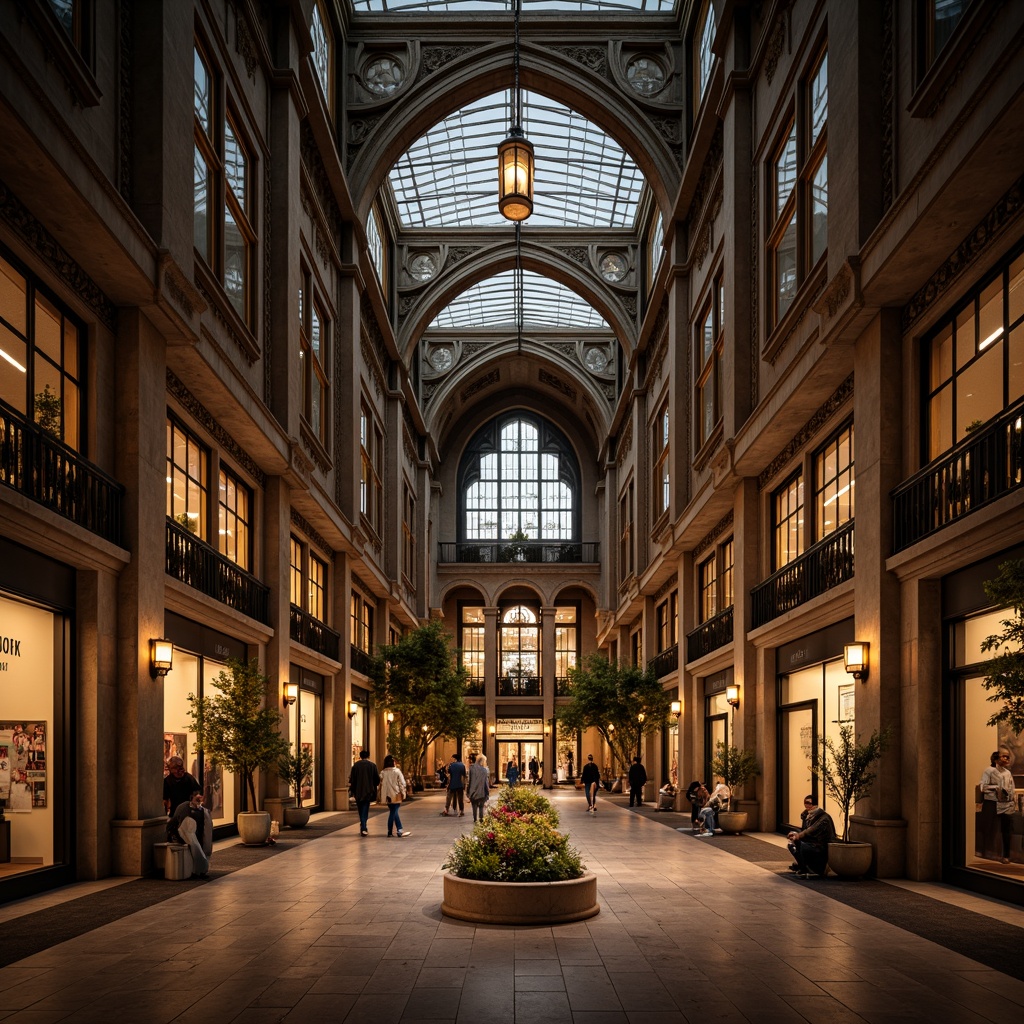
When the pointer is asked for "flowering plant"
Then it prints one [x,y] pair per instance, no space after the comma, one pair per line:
[516,842]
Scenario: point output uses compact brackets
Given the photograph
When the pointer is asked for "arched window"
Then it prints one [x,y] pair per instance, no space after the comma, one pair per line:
[519,480]
[520,653]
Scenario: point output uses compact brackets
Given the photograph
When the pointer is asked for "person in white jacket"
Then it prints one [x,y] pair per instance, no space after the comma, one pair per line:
[392,792]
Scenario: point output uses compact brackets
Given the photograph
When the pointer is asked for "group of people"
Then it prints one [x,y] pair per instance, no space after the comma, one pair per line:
[189,821]
[363,782]
[705,807]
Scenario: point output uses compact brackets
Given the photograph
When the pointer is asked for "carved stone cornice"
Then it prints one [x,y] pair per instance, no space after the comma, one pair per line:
[625,445]
[713,534]
[984,234]
[563,387]
[668,585]
[310,533]
[209,423]
[481,383]
[31,231]
[827,410]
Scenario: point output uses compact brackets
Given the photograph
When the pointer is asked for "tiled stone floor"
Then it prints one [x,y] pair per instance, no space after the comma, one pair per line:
[348,929]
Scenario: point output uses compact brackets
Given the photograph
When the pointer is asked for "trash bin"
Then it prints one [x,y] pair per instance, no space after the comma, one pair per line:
[177,860]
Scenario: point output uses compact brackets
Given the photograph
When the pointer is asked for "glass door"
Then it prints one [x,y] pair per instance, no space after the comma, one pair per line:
[798,736]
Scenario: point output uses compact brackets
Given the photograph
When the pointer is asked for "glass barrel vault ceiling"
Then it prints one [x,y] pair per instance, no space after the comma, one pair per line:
[547,306]
[580,6]
[448,177]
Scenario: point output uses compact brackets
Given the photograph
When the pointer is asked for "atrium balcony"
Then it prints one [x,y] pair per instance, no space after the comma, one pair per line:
[309,631]
[710,635]
[517,551]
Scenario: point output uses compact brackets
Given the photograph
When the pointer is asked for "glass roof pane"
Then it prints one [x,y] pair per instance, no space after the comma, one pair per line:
[585,6]
[547,305]
[448,177]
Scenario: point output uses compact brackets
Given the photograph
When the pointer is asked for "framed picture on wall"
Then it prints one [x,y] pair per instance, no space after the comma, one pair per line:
[847,702]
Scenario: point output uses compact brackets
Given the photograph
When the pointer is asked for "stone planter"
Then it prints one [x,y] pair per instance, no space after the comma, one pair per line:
[850,860]
[253,827]
[296,817]
[520,902]
[732,822]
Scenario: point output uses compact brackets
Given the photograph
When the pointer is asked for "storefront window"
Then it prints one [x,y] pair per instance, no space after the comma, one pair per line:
[304,723]
[982,834]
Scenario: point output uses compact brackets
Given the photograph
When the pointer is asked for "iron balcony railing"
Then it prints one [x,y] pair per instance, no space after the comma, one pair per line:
[518,551]
[665,661]
[309,631]
[196,564]
[49,473]
[360,661]
[822,566]
[710,635]
[476,688]
[563,686]
[984,466]
[519,686]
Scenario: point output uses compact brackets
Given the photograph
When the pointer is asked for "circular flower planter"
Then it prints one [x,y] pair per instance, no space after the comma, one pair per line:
[520,902]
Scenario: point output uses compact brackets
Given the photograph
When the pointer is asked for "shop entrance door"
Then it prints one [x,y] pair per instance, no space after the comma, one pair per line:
[523,751]
[798,738]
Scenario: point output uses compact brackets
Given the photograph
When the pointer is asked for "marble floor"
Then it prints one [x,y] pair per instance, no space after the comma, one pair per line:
[348,929]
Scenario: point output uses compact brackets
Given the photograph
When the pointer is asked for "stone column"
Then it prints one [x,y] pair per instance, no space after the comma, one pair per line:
[490,685]
[547,642]
[755,720]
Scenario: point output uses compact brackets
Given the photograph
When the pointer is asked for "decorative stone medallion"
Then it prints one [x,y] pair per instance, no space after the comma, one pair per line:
[645,75]
[383,75]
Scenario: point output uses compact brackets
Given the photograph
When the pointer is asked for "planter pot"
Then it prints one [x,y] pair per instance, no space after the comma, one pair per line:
[296,817]
[253,827]
[520,902]
[850,860]
[732,821]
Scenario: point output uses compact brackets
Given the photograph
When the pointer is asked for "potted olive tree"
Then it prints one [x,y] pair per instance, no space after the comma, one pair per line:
[735,767]
[846,770]
[295,768]
[235,730]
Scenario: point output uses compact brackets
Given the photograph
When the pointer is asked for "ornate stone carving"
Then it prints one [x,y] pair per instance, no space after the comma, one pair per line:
[247,344]
[20,220]
[478,385]
[566,348]
[360,129]
[755,250]
[629,304]
[310,533]
[778,345]
[372,366]
[667,586]
[577,253]
[434,57]
[888,117]
[268,318]
[245,45]
[776,42]
[996,221]
[703,245]
[713,534]
[457,253]
[657,363]
[607,389]
[211,425]
[357,582]
[320,182]
[316,455]
[830,407]
[708,172]
[835,295]
[625,445]
[559,385]
[593,57]
[124,103]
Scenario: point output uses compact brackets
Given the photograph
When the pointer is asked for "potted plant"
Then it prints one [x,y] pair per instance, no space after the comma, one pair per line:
[846,770]
[735,767]
[236,731]
[295,768]
[515,867]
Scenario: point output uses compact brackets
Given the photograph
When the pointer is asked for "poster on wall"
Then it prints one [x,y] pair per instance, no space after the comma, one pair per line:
[174,746]
[5,765]
[26,773]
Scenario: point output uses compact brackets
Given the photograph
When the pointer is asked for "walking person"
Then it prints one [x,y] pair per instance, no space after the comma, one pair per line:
[455,796]
[569,764]
[512,771]
[637,779]
[533,771]
[479,786]
[591,776]
[363,781]
[392,790]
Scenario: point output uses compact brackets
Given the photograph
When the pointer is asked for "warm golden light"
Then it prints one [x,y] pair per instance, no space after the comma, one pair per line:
[732,695]
[677,708]
[855,658]
[291,693]
[515,177]
[161,657]
[353,708]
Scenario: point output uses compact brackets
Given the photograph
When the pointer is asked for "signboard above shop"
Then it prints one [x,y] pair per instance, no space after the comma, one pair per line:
[520,728]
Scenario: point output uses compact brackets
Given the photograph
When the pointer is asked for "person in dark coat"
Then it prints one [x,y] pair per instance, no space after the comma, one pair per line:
[809,846]
[637,778]
[591,776]
[363,781]
[697,794]
[179,785]
[455,800]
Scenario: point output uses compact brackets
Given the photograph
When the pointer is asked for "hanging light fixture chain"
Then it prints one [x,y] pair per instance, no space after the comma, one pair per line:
[517,98]
[519,288]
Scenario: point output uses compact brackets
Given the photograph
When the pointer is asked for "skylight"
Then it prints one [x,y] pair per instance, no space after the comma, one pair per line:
[448,177]
[538,6]
[547,305]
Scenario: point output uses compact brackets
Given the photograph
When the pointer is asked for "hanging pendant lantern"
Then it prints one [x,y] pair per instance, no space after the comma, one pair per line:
[515,176]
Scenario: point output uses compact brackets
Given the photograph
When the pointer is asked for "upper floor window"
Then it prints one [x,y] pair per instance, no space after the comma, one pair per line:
[703,58]
[974,359]
[41,356]
[409,533]
[187,483]
[788,521]
[709,354]
[834,483]
[519,479]
[567,641]
[223,226]
[715,581]
[937,21]
[798,211]
[472,643]
[317,588]
[74,18]
[308,580]
[323,52]
[314,358]
[371,486]
[662,488]
[362,622]
[234,519]
[297,562]
[375,242]
[657,242]
[636,646]
[519,652]
[666,615]
[626,533]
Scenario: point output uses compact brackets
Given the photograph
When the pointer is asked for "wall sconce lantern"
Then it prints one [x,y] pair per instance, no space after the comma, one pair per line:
[677,708]
[490,730]
[515,154]
[390,716]
[732,696]
[161,655]
[353,708]
[855,658]
[547,730]
[291,693]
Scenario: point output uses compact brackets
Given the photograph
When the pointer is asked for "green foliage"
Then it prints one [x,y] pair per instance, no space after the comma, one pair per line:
[295,768]
[49,412]
[734,766]
[422,682]
[513,845]
[609,697]
[234,729]
[845,768]
[526,800]
[1004,671]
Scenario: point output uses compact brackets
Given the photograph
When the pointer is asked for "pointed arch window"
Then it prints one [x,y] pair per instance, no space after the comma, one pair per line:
[519,480]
